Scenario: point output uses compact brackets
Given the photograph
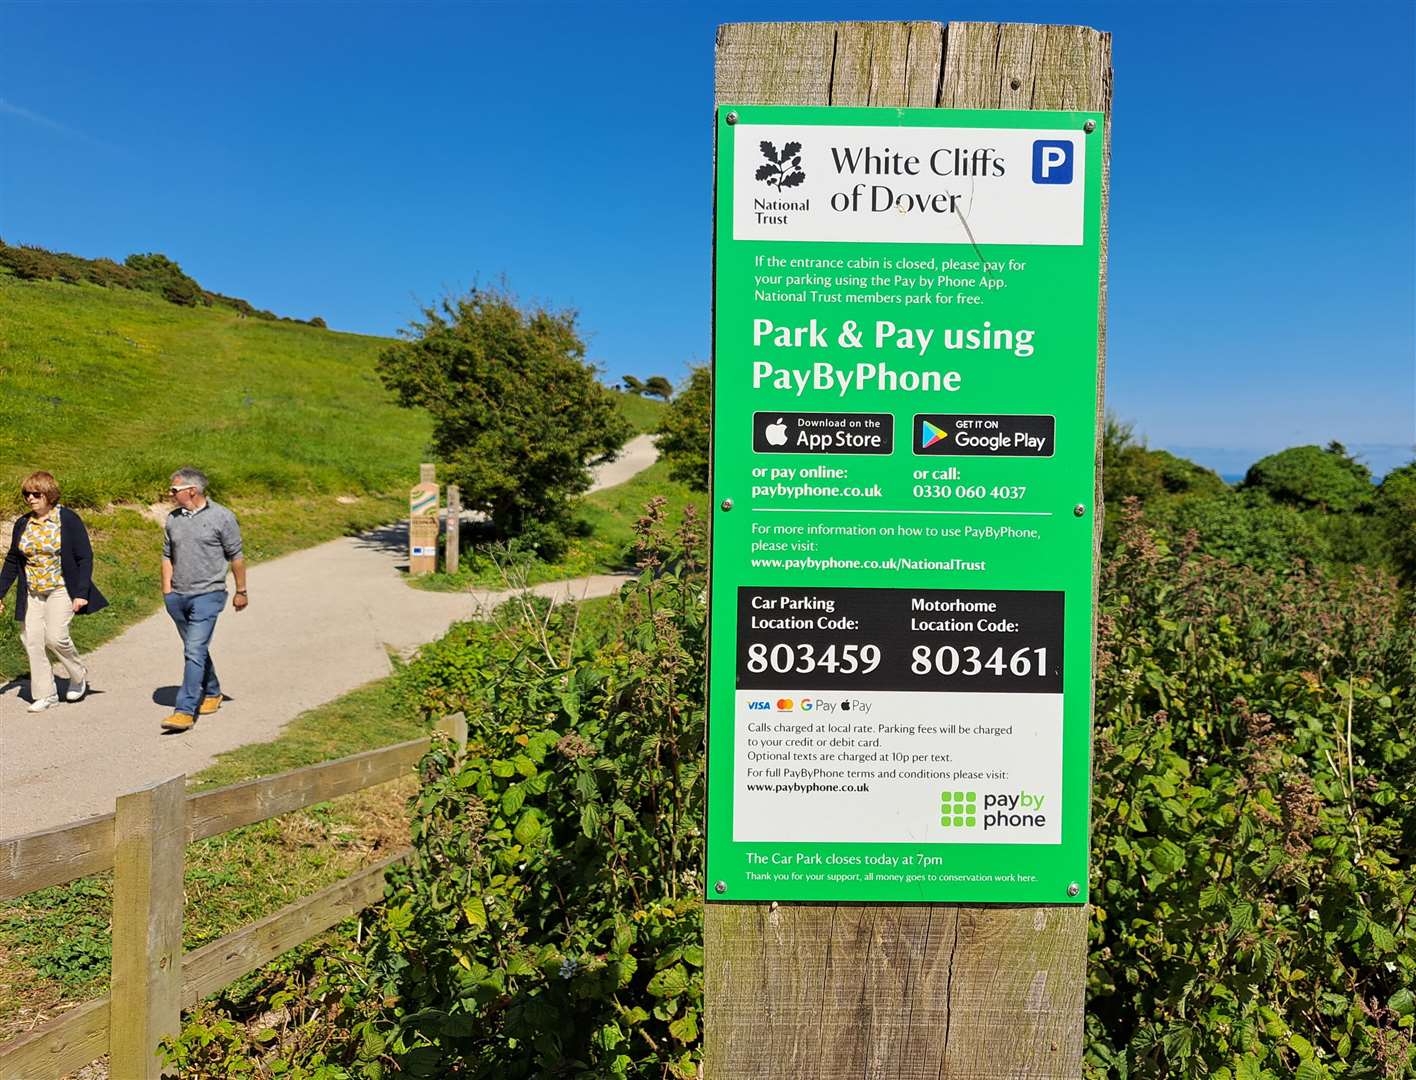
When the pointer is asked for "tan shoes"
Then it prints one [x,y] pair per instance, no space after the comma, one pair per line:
[180,721]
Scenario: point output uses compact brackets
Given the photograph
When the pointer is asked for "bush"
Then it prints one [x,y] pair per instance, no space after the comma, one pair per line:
[685,429]
[1253,838]
[551,921]
[157,273]
[1396,513]
[1311,477]
[518,414]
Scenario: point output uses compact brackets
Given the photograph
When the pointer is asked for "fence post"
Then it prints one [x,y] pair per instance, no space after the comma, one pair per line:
[454,727]
[150,838]
[454,524]
[903,991]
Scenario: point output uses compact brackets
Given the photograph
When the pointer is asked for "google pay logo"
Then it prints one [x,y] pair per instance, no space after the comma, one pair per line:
[1052,161]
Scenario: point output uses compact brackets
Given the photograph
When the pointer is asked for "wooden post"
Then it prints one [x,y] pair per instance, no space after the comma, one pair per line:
[902,990]
[150,839]
[454,726]
[423,523]
[454,527]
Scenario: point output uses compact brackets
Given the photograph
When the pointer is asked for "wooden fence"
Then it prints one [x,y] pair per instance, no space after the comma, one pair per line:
[144,842]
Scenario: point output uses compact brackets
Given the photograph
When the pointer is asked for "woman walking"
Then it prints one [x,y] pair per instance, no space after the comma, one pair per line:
[51,556]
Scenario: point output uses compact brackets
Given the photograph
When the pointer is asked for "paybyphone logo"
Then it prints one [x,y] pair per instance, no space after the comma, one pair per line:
[783,169]
[1052,161]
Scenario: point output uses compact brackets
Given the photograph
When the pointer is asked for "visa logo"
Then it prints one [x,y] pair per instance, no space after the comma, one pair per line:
[759,706]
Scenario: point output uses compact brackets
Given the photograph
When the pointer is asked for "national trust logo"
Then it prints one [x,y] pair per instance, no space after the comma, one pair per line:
[782,170]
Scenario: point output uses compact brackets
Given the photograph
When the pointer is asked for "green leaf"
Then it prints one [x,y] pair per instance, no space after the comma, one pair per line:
[528,828]
[1167,857]
[685,1028]
[475,912]
[1382,938]
[671,982]
[693,955]
[512,798]
[504,769]
[1308,1069]
[1403,1002]
[1248,1068]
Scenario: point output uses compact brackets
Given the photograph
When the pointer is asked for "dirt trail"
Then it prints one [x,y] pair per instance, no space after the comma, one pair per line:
[321,622]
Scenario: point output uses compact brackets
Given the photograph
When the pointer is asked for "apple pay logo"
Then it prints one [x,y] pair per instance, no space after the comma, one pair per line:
[1052,161]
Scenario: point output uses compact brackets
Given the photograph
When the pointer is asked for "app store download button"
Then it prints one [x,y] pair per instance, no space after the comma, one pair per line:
[984,435]
[822,433]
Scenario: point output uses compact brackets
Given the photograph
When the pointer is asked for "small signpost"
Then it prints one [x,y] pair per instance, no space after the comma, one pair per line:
[907,344]
[423,523]
[453,537]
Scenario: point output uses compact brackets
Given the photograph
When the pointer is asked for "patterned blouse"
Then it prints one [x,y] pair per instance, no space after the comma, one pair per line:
[40,546]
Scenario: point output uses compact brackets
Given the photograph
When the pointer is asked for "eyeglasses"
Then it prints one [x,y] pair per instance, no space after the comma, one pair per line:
[184,487]
[32,494]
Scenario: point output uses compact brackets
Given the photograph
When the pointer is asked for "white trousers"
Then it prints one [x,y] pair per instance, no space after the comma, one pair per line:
[47,628]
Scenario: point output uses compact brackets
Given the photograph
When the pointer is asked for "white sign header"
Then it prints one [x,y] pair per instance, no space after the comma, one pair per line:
[922,185]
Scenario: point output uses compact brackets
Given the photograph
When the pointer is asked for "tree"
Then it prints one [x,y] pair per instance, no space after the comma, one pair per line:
[683,432]
[518,414]
[1396,510]
[157,273]
[1311,477]
[633,384]
[659,387]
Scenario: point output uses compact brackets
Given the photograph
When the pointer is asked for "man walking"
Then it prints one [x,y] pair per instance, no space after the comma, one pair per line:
[201,538]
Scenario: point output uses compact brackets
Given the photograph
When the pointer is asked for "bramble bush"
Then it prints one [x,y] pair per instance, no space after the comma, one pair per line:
[1253,834]
[1253,840]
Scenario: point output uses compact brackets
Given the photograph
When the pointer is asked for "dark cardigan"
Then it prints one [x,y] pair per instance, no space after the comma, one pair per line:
[75,564]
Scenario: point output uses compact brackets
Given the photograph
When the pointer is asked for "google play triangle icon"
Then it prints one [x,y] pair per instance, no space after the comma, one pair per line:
[929,435]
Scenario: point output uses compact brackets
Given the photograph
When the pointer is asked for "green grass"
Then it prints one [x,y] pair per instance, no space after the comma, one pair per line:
[55,945]
[111,390]
[644,413]
[607,517]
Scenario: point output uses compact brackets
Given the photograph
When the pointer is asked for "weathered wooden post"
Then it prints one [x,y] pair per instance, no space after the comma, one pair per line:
[423,523]
[908,352]
[454,527]
[150,840]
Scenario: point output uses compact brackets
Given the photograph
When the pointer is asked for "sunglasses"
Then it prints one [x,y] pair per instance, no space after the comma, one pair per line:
[33,494]
[184,487]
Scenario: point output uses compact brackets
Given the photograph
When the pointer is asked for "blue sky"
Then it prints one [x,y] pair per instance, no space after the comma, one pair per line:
[357,161]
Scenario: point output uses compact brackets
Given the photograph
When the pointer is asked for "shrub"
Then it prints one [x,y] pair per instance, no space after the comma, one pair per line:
[1308,476]
[685,429]
[157,273]
[1253,840]
[551,921]
[1396,513]
[518,414]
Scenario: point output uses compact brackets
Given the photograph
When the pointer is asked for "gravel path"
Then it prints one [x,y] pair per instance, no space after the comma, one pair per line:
[321,623]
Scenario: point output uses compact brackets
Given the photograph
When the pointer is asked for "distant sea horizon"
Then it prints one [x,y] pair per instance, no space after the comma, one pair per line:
[1232,463]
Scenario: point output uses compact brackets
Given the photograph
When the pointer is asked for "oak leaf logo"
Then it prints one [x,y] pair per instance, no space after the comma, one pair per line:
[782,170]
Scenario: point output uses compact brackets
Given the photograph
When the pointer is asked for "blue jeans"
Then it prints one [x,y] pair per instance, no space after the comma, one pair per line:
[195,617]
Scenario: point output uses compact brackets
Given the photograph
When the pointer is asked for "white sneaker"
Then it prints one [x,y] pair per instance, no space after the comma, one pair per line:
[44,703]
[77,690]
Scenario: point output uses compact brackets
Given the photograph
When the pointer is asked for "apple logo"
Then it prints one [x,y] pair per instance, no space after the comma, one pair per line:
[776,433]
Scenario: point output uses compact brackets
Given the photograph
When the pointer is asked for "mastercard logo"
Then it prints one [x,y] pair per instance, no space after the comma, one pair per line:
[784,704]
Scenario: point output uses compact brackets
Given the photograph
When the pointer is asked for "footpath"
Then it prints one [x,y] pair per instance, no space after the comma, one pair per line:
[321,622]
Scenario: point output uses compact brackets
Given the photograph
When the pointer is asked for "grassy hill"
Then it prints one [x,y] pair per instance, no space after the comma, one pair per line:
[111,390]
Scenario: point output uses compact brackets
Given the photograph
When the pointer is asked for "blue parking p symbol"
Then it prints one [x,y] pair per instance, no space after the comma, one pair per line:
[1052,161]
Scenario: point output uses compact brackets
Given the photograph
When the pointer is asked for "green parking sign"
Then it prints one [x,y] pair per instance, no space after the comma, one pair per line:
[905,420]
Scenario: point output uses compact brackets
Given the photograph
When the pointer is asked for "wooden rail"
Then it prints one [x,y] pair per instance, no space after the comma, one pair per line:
[144,841]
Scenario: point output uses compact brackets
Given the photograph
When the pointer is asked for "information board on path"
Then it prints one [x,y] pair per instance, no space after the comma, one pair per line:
[904,433]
